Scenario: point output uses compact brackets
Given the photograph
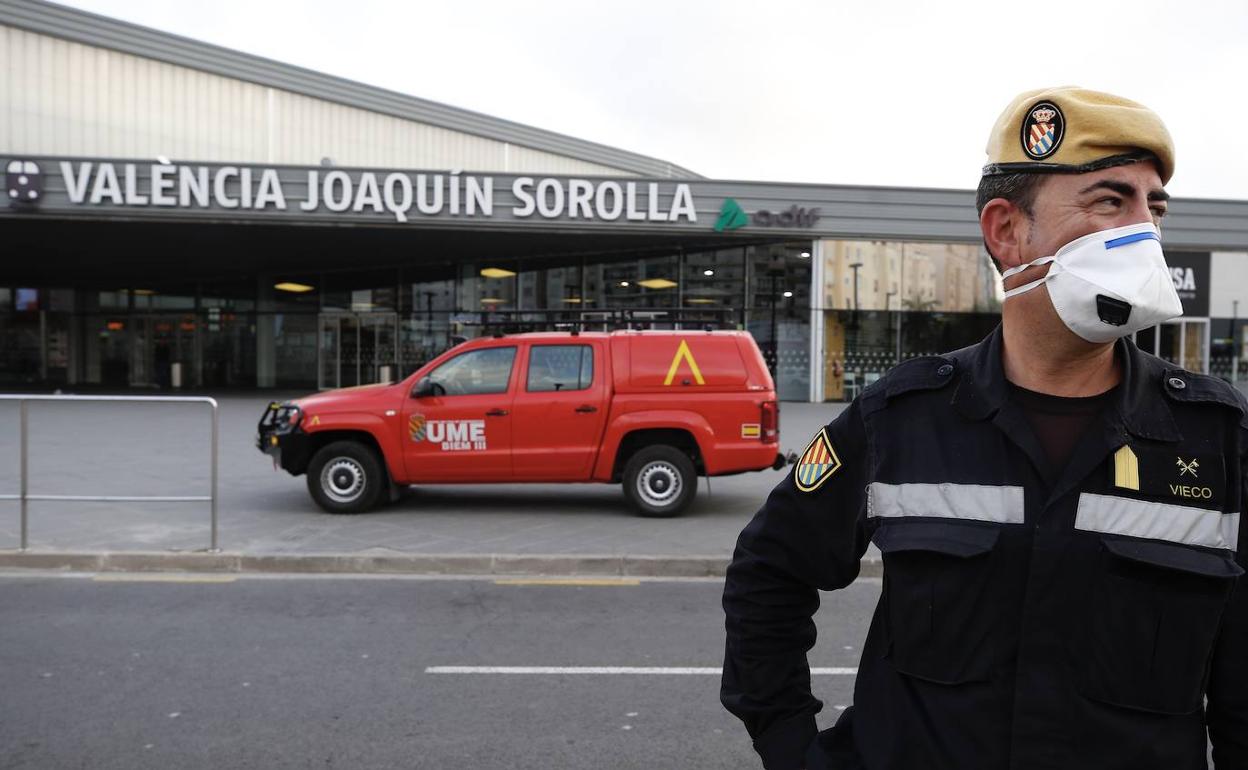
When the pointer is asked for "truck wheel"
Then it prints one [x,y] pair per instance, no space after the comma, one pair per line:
[660,481]
[345,477]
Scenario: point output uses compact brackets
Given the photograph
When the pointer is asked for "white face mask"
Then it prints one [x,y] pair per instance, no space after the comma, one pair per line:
[1108,284]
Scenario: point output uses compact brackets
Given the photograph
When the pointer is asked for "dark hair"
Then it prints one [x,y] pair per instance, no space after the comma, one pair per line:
[1019,189]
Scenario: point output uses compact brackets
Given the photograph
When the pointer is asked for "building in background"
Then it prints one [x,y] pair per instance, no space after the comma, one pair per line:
[177,214]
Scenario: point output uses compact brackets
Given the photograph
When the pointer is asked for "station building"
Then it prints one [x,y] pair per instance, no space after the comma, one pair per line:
[180,215]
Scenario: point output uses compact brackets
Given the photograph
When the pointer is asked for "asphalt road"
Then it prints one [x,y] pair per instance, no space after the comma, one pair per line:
[317,672]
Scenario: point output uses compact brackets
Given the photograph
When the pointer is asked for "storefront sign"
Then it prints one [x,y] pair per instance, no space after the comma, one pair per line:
[1190,272]
[192,191]
[793,216]
[399,194]
[732,217]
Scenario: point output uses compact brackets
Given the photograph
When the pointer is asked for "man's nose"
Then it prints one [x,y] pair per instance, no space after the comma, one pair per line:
[1137,210]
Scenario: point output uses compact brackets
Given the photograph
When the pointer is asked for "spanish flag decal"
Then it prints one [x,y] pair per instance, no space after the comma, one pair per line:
[818,462]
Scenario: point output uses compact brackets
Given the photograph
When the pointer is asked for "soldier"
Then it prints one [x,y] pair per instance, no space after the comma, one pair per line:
[1057,511]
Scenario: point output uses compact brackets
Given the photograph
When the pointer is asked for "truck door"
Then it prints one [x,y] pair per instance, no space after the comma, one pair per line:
[559,410]
[464,431]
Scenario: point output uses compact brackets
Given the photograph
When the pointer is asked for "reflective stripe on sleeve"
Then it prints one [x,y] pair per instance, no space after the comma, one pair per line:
[1157,521]
[976,502]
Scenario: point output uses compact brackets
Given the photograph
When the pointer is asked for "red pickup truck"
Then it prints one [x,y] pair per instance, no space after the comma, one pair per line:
[651,409]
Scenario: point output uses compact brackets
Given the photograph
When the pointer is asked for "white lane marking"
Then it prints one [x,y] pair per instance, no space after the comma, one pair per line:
[567,582]
[611,670]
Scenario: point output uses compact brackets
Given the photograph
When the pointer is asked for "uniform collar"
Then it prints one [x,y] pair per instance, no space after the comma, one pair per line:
[1139,406]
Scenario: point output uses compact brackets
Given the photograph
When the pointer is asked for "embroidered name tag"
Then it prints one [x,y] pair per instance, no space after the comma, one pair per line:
[1175,475]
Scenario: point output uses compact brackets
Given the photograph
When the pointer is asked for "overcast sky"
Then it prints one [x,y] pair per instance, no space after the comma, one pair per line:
[862,92]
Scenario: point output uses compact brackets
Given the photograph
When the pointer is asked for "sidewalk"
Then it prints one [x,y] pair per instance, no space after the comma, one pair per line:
[268,522]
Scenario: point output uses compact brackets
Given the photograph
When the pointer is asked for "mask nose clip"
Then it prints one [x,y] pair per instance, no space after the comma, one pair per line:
[1112,311]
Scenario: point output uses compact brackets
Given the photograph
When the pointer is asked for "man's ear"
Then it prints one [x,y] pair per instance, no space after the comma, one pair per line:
[1004,226]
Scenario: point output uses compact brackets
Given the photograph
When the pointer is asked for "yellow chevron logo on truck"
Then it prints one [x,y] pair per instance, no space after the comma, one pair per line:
[683,352]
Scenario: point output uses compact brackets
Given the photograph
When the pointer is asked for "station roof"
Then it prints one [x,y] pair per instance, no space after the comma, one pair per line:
[104,32]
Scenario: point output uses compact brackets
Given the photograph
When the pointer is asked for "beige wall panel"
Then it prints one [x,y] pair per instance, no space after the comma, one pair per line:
[63,98]
[526,160]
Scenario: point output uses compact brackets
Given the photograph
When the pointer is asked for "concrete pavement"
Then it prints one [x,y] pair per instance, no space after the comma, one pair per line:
[267,520]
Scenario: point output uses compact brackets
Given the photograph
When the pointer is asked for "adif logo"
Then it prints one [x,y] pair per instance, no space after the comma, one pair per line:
[24,183]
[731,216]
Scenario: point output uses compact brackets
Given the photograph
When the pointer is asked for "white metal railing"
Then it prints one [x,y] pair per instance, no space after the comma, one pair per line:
[25,497]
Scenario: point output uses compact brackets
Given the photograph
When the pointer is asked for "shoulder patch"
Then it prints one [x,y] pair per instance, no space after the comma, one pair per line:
[818,463]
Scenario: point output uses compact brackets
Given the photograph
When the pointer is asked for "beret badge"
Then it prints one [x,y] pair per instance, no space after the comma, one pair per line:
[1042,130]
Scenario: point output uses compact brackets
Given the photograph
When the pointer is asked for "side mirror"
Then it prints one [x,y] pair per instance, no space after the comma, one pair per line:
[425,386]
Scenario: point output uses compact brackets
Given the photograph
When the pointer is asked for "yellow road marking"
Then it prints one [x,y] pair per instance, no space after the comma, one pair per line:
[568,582]
[132,578]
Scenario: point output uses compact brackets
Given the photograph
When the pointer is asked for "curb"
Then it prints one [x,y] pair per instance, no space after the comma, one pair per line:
[560,565]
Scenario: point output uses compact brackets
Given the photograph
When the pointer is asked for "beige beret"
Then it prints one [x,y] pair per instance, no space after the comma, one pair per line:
[1074,130]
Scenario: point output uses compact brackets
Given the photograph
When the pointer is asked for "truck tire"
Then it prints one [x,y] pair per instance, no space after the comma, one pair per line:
[660,481]
[346,477]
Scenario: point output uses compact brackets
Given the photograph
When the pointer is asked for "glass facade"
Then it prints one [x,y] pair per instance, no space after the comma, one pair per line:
[862,306]
[336,329]
[1228,348]
[886,301]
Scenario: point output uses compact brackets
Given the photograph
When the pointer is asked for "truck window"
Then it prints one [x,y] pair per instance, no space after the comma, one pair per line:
[476,372]
[560,367]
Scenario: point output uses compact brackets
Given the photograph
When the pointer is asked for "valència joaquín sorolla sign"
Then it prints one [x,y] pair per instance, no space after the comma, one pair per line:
[397,194]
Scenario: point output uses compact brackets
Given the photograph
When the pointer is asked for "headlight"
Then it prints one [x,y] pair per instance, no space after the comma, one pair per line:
[287,416]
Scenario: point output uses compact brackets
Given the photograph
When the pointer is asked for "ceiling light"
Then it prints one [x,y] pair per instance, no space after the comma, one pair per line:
[700,301]
[623,283]
[572,300]
[298,288]
[492,301]
[708,271]
[496,272]
[142,292]
[804,255]
[657,283]
[788,294]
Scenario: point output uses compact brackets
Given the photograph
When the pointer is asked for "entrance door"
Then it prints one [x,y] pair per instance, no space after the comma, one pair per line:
[108,350]
[356,349]
[1183,342]
[378,352]
[170,341]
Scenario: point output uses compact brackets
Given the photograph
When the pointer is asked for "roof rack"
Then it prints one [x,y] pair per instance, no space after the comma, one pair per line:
[500,322]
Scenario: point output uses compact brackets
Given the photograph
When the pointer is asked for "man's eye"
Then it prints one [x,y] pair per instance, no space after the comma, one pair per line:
[1159,213]
[1112,201]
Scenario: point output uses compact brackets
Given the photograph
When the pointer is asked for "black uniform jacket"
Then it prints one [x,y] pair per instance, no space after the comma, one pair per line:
[1089,620]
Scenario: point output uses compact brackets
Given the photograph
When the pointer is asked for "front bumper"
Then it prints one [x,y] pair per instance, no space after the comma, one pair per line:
[280,436]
